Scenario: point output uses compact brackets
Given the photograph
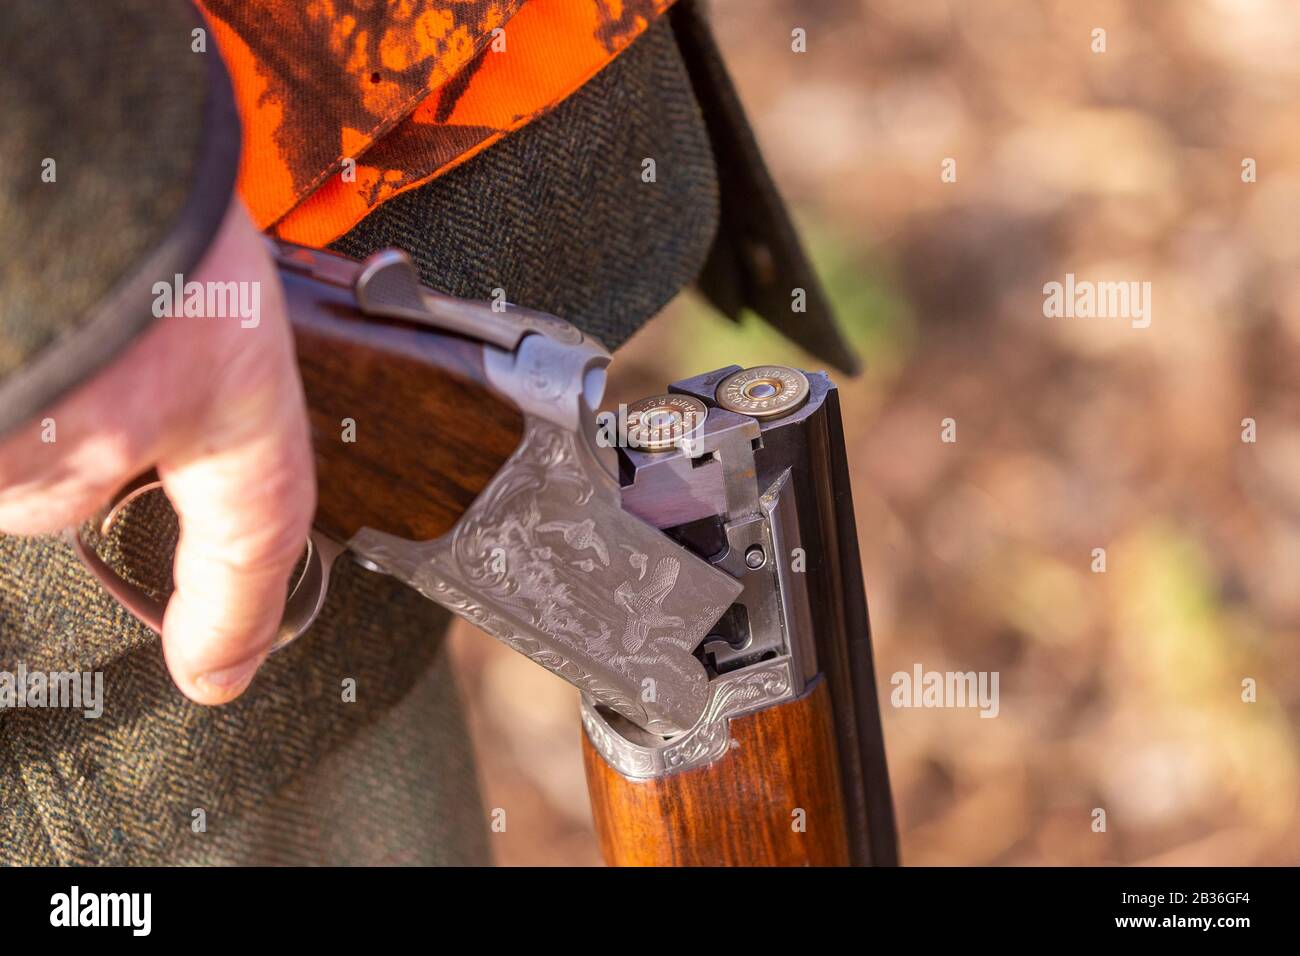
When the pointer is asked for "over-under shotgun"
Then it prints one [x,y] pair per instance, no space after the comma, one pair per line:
[690,563]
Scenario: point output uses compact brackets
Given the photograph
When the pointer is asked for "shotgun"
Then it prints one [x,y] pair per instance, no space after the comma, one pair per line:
[690,563]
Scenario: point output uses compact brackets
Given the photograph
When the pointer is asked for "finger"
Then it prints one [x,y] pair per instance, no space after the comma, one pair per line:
[243,484]
[56,504]
[245,510]
[59,470]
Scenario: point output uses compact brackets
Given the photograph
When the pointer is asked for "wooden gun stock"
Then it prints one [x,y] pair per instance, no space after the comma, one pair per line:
[430,432]
[406,428]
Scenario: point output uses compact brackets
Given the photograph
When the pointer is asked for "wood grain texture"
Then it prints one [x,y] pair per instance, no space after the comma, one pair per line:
[430,432]
[738,810]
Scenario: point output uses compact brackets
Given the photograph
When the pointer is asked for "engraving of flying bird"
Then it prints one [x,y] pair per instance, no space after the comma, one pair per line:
[643,607]
[637,560]
[579,535]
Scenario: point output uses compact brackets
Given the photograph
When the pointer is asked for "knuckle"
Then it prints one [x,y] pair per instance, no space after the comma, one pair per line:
[34,514]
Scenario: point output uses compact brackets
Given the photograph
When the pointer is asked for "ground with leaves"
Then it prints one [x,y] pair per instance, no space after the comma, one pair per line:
[1120,690]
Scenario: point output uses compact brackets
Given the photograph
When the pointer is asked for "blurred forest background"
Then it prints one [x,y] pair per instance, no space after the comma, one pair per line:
[1120,690]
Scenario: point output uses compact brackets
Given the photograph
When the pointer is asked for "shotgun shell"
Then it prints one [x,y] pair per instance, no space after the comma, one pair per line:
[764,391]
[658,423]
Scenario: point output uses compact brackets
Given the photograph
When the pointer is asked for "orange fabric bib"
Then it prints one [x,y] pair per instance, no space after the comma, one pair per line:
[347,103]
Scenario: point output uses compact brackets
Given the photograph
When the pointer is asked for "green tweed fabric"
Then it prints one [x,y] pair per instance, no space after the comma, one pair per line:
[291,773]
[68,94]
[111,120]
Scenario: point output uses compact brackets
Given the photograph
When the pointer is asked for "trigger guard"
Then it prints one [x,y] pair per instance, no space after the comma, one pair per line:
[302,606]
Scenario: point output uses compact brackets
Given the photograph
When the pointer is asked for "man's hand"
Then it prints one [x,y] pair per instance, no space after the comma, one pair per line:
[218,408]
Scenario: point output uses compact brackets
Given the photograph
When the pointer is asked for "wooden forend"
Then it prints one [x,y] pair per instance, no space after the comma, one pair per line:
[738,810]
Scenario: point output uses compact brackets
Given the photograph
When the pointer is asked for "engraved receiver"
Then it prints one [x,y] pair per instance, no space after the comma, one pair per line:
[476,479]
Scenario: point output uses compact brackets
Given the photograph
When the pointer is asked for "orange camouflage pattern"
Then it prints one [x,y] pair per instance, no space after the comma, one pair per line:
[405,89]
